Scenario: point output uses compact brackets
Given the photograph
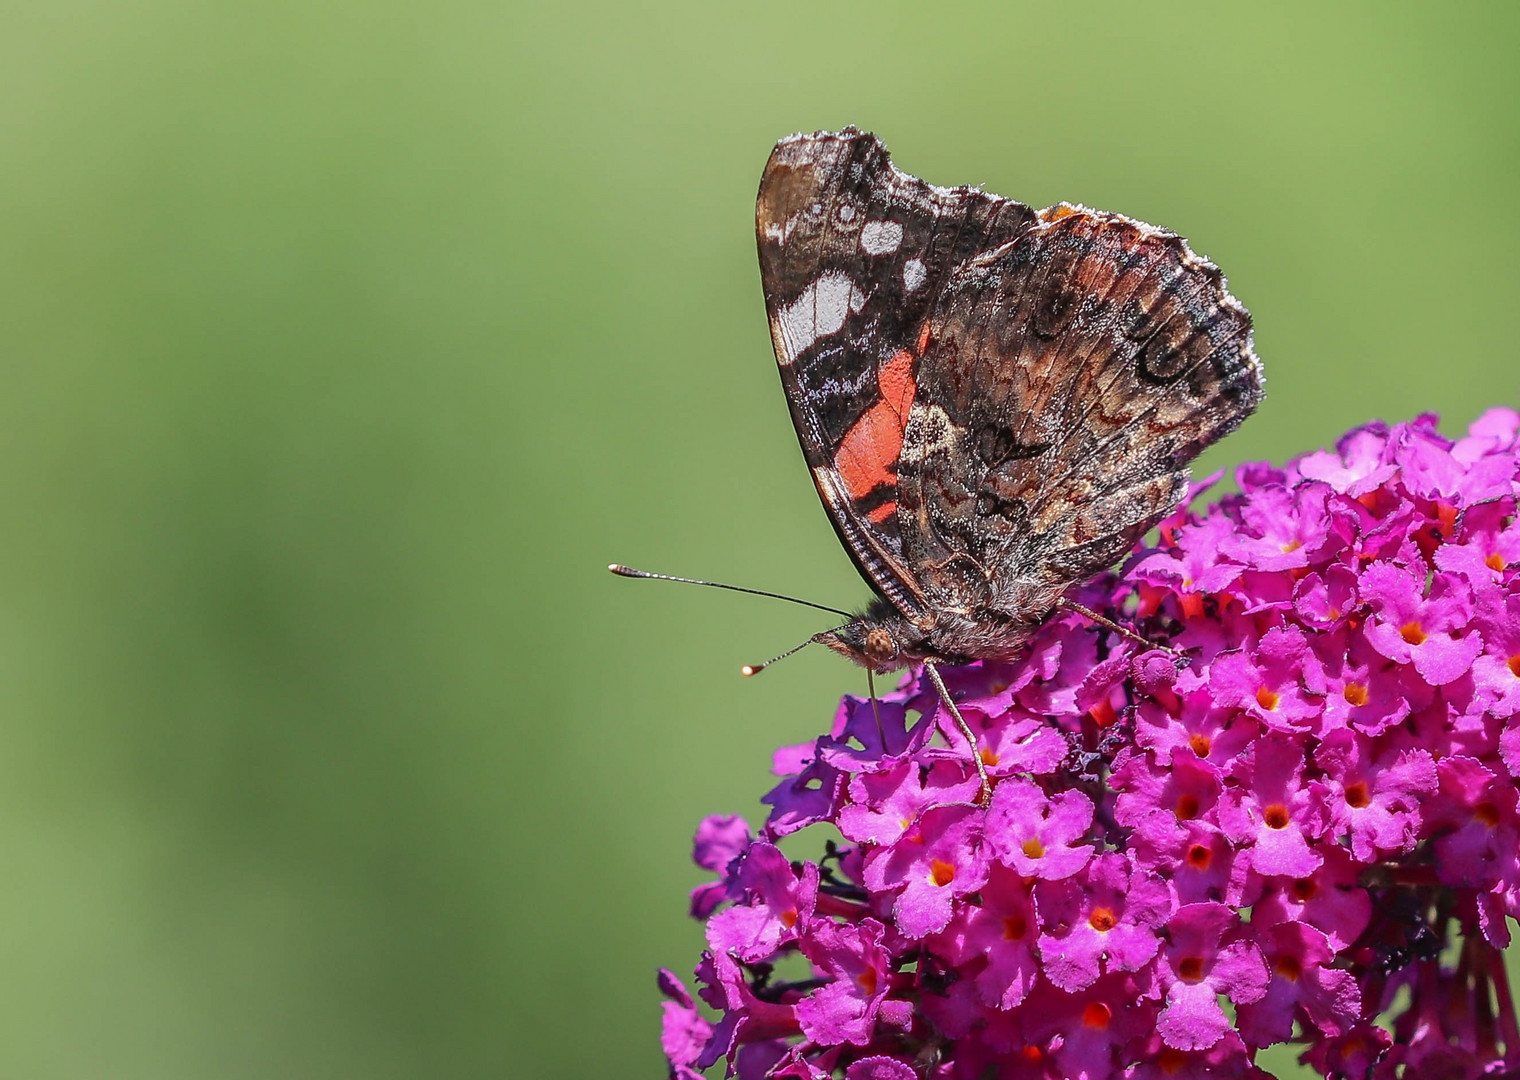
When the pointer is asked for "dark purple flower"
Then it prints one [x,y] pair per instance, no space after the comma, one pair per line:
[1330,898]
[1088,1029]
[1301,984]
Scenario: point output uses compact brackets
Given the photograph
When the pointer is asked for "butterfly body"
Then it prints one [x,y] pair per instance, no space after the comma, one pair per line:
[995,402]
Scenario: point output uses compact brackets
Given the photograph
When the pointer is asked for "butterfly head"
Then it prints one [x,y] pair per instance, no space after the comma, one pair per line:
[882,639]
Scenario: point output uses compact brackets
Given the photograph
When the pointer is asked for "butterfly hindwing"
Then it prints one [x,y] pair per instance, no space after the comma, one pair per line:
[853,256]
[1068,378]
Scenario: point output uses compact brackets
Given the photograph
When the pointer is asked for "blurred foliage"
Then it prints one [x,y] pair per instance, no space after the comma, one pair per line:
[344,343]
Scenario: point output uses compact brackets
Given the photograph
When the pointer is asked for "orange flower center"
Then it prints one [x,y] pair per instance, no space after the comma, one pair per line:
[989,757]
[1289,967]
[1355,694]
[1014,927]
[1199,856]
[1356,795]
[1276,816]
[1413,633]
[1101,920]
[1487,813]
[1096,1015]
[1304,889]
[1187,807]
[941,873]
[1494,562]
[1191,968]
[1201,745]
[1033,848]
[1171,1061]
[867,980]
[1514,665]
[1267,699]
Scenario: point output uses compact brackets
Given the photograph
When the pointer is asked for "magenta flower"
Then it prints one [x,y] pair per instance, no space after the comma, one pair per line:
[1209,955]
[853,963]
[936,861]
[776,900]
[1309,811]
[1427,628]
[1267,681]
[1274,811]
[1105,918]
[1375,803]
[1003,929]
[1302,985]
[1036,835]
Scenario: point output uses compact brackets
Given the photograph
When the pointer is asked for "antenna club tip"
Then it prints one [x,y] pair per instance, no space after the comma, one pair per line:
[750,669]
[618,568]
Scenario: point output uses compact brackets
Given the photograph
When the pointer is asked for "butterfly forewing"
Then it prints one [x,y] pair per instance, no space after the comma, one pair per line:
[853,255]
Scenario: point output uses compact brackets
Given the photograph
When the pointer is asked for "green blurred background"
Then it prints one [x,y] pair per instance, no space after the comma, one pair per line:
[344,344]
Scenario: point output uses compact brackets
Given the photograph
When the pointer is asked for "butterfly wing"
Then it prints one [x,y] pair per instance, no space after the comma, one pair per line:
[1068,379]
[854,255]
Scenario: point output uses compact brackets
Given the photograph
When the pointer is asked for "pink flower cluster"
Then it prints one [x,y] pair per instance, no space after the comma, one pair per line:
[1305,829]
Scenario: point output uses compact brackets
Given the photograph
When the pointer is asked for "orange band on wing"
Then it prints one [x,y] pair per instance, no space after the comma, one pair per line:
[868,454]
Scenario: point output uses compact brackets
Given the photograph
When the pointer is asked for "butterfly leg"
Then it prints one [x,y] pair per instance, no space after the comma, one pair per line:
[1108,624]
[985,795]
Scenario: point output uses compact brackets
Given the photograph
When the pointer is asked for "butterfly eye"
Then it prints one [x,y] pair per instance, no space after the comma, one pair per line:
[879,645]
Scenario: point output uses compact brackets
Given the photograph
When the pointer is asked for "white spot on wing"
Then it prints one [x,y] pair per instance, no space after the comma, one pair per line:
[913,274]
[775,230]
[819,311]
[880,237]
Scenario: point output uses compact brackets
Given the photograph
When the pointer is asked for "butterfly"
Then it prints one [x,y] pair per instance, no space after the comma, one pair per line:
[995,402]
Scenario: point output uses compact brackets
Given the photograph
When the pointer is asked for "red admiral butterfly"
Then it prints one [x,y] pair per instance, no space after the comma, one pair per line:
[995,402]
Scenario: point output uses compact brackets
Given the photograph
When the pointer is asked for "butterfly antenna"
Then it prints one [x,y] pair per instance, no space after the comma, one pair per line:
[754,669]
[628,571]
